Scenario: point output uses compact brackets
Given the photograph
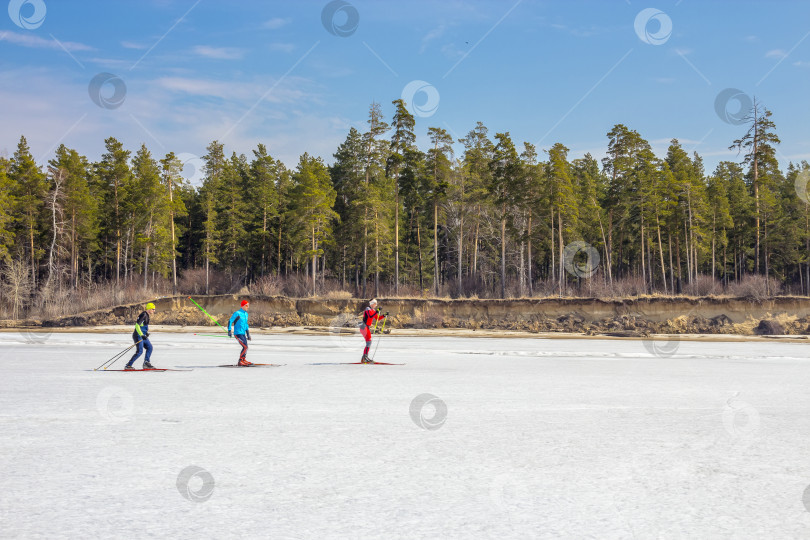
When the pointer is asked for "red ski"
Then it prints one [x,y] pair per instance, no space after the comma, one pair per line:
[253,365]
[373,363]
[153,369]
[353,364]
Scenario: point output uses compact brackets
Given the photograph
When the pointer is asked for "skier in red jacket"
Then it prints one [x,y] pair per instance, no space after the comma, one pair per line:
[370,316]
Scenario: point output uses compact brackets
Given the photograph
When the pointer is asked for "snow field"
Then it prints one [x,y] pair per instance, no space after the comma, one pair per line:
[472,438]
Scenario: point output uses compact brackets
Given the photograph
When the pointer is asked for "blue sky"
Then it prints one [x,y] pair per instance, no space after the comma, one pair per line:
[296,75]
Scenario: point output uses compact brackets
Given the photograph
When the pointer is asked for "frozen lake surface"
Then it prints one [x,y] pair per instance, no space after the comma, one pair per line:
[472,438]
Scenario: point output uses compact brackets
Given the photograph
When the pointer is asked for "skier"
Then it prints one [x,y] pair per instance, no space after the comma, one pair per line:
[239,319]
[370,315]
[141,338]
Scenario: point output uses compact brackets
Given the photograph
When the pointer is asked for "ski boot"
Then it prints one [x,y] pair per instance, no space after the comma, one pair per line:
[243,362]
[129,368]
[366,360]
[148,365]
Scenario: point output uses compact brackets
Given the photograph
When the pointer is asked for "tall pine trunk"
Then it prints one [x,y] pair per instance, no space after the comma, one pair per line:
[435,250]
[503,253]
[314,263]
[396,242]
[529,254]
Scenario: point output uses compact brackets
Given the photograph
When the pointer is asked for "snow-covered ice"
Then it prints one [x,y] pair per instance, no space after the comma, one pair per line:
[472,438]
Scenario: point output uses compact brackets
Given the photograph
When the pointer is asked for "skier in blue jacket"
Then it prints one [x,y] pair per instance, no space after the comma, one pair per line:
[241,331]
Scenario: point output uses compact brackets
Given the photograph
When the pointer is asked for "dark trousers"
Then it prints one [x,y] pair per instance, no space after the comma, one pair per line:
[242,339]
[144,344]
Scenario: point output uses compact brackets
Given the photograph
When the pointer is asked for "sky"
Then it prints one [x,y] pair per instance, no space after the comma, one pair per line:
[297,75]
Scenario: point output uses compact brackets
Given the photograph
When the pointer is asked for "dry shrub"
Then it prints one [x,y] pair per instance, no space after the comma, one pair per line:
[338,295]
[65,301]
[703,286]
[270,285]
[296,286]
[334,289]
[755,287]
[405,290]
[192,281]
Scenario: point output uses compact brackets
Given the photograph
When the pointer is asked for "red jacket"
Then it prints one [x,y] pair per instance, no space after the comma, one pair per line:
[370,315]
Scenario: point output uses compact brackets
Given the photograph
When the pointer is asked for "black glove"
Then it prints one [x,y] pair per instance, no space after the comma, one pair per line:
[386,314]
[145,335]
[248,336]
[229,334]
[378,310]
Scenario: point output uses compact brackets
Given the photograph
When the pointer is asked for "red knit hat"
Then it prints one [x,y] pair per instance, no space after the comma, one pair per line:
[244,303]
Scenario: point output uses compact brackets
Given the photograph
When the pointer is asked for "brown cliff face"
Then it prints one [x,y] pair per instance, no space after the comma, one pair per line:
[636,316]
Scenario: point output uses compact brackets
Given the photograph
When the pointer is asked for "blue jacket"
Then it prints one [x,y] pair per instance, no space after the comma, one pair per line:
[239,320]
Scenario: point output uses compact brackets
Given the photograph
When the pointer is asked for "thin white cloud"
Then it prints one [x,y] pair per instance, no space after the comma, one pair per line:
[53,106]
[282,47]
[665,80]
[805,156]
[430,36]
[203,87]
[219,53]
[291,91]
[450,51]
[775,53]
[275,23]
[133,45]
[801,63]
[683,52]
[36,42]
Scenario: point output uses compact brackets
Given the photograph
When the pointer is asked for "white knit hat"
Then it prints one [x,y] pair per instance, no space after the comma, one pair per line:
[373,302]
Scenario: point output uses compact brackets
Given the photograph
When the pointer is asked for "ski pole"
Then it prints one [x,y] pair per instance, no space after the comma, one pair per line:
[374,328]
[209,316]
[382,330]
[121,354]
[115,357]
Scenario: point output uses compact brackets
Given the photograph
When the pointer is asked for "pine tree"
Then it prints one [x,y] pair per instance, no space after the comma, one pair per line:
[439,162]
[264,172]
[209,192]
[414,188]
[402,141]
[507,176]
[79,206]
[622,198]
[7,206]
[112,174]
[562,200]
[758,143]
[311,201]
[478,153]
[29,189]
[172,178]
[231,213]
[532,205]
[591,185]
[375,157]
[347,175]
[150,208]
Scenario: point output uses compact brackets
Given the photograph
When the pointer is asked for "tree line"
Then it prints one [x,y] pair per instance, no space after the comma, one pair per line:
[389,216]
